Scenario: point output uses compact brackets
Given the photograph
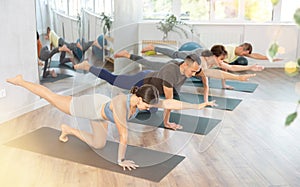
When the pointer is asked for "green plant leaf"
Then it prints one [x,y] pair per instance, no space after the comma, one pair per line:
[275,2]
[297,16]
[273,50]
[298,62]
[290,118]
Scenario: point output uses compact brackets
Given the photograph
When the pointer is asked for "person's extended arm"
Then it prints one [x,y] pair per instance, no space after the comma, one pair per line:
[229,67]
[173,104]
[219,74]
[261,57]
[119,114]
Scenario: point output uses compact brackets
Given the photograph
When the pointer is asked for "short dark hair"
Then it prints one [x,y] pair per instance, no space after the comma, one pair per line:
[147,92]
[247,47]
[194,58]
[218,50]
[206,53]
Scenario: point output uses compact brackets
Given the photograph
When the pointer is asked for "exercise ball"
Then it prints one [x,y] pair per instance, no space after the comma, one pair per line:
[189,46]
[97,51]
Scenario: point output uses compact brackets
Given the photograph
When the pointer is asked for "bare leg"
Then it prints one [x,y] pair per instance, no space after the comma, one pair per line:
[97,139]
[122,54]
[83,66]
[97,44]
[59,101]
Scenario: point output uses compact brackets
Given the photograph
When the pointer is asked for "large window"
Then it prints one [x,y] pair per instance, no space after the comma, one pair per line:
[288,9]
[221,10]
[157,9]
[73,7]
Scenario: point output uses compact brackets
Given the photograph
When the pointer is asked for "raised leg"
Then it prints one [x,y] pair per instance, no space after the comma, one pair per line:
[59,101]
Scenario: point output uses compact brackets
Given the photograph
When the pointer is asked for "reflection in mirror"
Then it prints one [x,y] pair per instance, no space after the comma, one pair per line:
[69,32]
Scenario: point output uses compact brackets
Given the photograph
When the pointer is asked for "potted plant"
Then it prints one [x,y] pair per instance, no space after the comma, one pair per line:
[171,23]
[107,23]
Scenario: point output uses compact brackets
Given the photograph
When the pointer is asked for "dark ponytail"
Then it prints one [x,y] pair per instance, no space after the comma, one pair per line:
[134,89]
[147,92]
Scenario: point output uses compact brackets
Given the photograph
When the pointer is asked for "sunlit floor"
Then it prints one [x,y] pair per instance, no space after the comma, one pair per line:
[250,147]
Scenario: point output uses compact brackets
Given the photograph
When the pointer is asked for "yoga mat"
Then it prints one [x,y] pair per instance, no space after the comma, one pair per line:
[52,79]
[217,83]
[222,102]
[192,124]
[56,64]
[45,141]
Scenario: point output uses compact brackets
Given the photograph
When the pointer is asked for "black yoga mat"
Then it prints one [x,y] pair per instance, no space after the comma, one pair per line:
[53,79]
[217,83]
[223,103]
[192,124]
[154,165]
[56,64]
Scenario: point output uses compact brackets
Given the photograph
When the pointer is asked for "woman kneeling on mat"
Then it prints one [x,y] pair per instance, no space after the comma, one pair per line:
[99,109]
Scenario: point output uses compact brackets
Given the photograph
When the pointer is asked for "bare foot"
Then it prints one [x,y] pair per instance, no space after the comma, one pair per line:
[66,49]
[149,47]
[121,54]
[64,133]
[15,80]
[79,45]
[97,44]
[83,66]
[173,126]
[53,73]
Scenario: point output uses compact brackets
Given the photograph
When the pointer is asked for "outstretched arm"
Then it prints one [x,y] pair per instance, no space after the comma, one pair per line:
[219,74]
[229,67]
[261,57]
[173,104]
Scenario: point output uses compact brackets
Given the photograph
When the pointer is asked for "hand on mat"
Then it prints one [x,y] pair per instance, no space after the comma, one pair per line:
[129,164]
[211,103]
[173,126]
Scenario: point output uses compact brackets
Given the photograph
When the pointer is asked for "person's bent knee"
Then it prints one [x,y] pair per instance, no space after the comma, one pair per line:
[99,144]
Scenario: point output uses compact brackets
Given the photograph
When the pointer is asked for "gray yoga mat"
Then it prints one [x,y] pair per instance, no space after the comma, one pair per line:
[192,124]
[154,165]
[217,83]
[56,64]
[52,79]
[223,103]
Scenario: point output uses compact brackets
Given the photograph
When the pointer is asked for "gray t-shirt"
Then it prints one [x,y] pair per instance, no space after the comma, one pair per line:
[169,75]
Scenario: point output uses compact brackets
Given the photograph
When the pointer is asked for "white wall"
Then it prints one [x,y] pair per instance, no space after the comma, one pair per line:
[18,55]
[125,29]
[42,15]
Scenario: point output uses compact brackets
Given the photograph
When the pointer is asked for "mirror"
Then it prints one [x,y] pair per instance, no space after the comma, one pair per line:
[68,32]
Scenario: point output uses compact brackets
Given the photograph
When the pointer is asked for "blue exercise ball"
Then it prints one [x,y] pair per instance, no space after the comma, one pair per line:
[96,50]
[189,46]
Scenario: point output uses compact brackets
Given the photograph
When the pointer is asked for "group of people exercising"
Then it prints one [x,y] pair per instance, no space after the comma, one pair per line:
[146,87]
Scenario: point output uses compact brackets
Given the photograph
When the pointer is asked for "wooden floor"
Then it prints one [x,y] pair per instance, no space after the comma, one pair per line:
[251,147]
